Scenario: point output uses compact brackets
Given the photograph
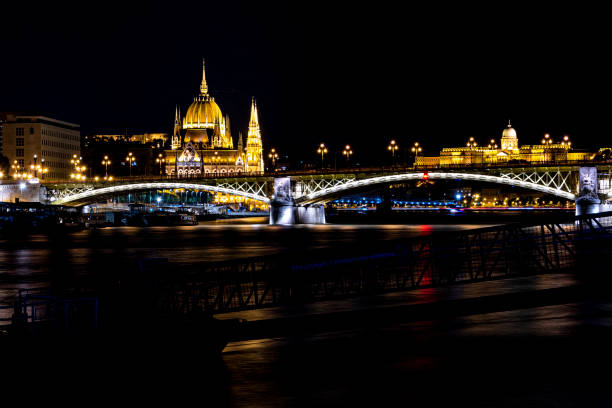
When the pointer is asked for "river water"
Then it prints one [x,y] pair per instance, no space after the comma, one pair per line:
[36,260]
[538,356]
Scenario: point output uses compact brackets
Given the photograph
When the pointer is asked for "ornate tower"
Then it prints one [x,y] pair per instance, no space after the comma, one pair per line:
[254,149]
[176,134]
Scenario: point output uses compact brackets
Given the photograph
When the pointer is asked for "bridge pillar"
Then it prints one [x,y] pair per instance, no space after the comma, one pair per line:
[284,211]
[22,191]
[587,201]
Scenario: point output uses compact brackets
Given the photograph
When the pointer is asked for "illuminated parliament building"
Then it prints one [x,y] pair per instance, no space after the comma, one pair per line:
[202,142]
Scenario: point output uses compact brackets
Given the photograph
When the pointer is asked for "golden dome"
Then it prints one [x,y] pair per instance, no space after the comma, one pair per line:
[203,113]
[509,132]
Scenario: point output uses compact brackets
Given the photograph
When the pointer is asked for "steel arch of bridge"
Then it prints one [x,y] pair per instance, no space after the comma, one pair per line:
[327,194]
[252,192]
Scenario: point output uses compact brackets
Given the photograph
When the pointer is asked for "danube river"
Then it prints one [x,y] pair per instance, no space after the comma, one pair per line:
[522,341]
[39,259]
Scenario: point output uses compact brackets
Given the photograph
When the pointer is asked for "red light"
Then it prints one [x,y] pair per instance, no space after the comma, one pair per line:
[425,176]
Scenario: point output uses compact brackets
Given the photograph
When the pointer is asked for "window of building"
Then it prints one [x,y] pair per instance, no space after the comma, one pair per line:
[19,141]
[19,131]
[19,152]
[21,162]
[31,130]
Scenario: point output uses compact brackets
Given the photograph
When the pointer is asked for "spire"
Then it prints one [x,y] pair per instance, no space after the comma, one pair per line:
[509,124]
[204,86]
[176,116]
[240,144]
[254,122]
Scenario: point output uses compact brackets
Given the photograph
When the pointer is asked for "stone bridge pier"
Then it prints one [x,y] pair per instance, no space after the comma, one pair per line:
[284,210]
[589,200]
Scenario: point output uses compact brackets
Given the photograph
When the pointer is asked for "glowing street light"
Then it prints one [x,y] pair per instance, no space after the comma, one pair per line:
[393,147]
[160,160]
[547,140]
[273,155]
[416,149]
[322,150]
[15,167]
[492,145]
[471,142]
[130,159]
[566,142]
[106,162]
[347,152]
[43,169]
[35,168]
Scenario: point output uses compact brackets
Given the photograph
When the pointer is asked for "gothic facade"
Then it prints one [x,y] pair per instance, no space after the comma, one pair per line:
[202,142]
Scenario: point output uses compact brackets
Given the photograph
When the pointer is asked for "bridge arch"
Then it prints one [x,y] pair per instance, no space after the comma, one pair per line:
[90,196]
[327,194]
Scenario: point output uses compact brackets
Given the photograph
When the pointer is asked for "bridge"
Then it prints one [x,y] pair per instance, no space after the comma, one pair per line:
[313,189]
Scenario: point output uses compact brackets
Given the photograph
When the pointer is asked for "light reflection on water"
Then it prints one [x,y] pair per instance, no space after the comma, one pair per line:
[28,262]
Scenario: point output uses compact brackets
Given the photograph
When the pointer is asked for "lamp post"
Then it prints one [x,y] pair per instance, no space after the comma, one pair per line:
[130,159]
[347,152]
[35,169]
[393,147]
[566,142]
[471,142]
[546,142]
[492,145]
[105,163]
[43,169]
[273,155]
[160,160]
[322,150]
[75,162]
[416,149]
[15,167]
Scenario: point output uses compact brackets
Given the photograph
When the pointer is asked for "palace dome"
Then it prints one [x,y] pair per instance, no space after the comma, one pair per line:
[509,132]
[203,113]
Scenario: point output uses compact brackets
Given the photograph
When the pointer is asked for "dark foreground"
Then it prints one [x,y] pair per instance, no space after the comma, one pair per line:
[535,341]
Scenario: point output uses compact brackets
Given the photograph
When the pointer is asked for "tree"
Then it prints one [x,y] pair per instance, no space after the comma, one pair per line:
[4,165]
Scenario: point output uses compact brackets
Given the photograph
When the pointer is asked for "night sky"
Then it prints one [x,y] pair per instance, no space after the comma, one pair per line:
[343,74]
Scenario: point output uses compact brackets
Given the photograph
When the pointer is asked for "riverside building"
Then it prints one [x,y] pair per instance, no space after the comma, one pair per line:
[40,146]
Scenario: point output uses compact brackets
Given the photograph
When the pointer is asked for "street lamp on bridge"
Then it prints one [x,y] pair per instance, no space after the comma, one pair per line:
[322,150]
[393,147]
[273,155]
[471,142]
[347,152]
[416,149]
[160,160]
[130,159]
[105,163]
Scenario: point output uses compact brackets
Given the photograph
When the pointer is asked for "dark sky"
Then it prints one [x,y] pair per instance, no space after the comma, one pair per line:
[338,74]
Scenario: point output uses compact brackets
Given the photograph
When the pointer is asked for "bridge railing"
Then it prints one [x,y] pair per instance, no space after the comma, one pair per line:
[153,178]
[487,253]
[339,170]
